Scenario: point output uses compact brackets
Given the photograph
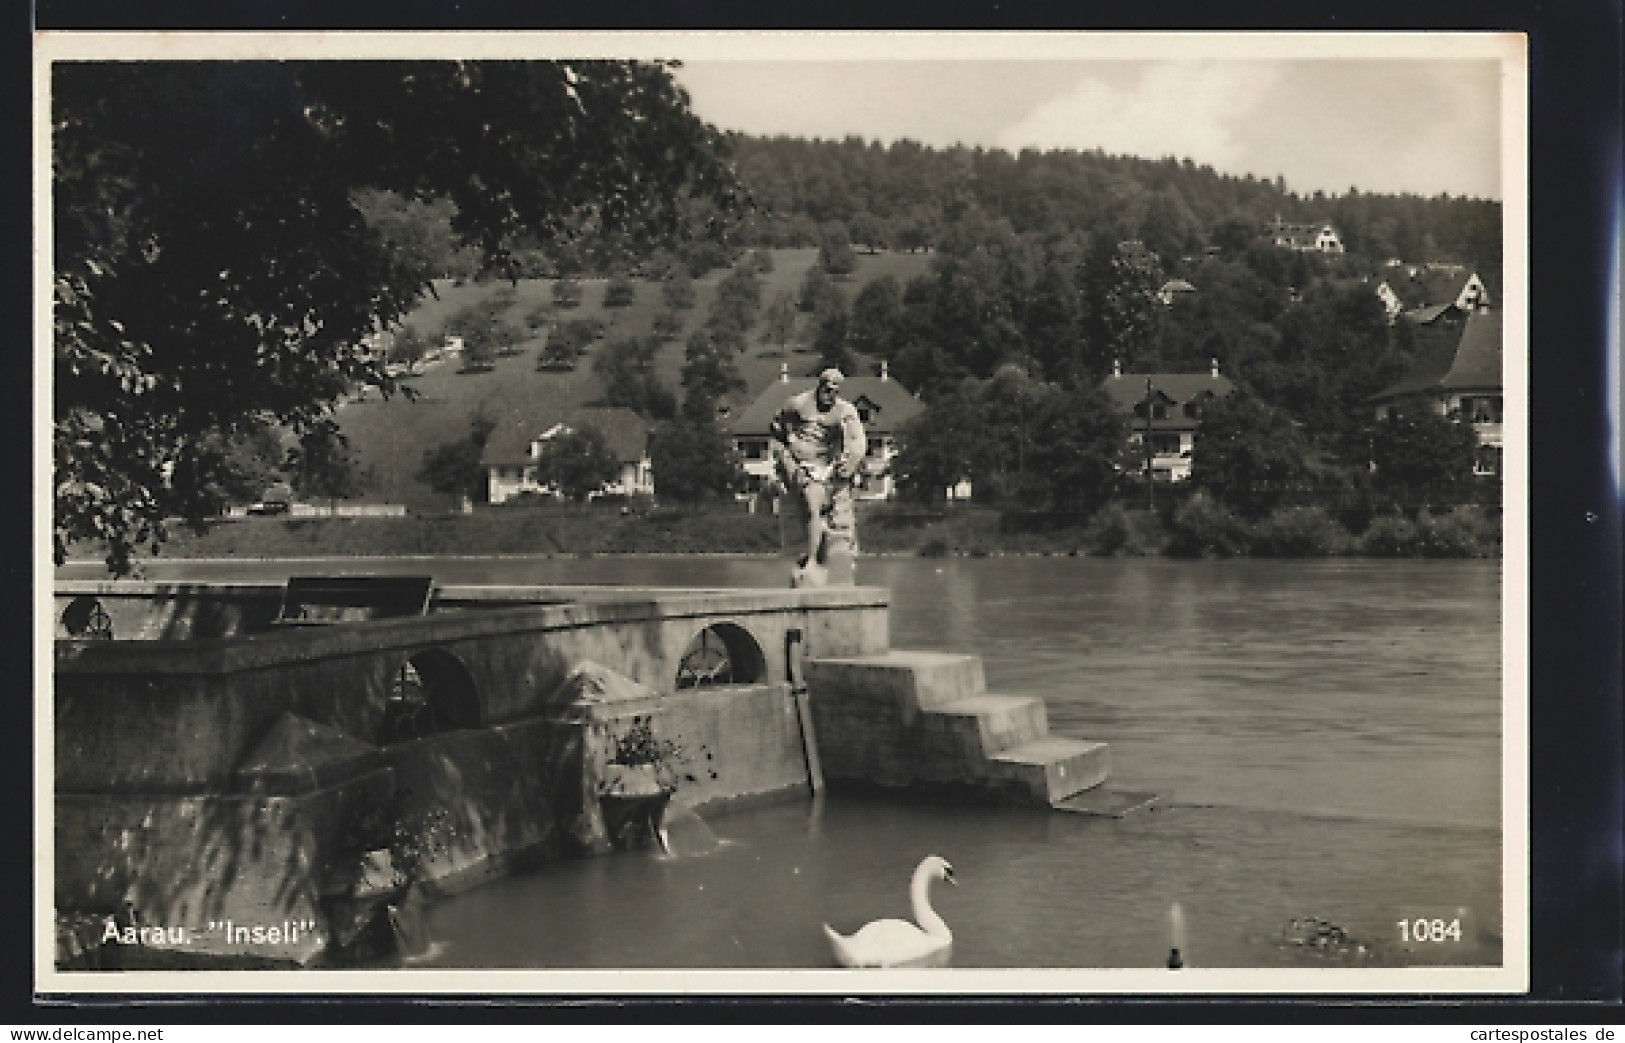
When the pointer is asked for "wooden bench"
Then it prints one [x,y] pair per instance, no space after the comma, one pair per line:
[320,600]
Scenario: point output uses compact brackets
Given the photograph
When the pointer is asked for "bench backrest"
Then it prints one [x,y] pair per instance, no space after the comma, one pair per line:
[340,599]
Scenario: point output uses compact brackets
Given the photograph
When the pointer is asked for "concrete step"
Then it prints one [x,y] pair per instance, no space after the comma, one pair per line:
[1106,802]
[899,681]
[1052,769]
[988,723]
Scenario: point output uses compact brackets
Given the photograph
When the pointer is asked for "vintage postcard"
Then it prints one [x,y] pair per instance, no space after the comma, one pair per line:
[827,513]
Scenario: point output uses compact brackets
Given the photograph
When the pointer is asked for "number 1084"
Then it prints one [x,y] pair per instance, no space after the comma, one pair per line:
[1429,930]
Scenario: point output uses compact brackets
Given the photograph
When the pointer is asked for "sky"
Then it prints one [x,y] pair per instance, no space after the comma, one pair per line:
[1423,125]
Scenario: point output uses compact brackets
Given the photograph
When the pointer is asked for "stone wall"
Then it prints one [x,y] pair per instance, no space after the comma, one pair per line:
[212,779]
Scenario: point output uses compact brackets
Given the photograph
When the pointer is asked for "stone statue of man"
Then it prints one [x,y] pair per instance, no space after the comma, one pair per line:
[818,446]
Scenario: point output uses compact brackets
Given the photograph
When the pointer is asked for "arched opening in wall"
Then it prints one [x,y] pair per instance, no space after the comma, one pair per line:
[430,692]
[86,620]
[723,653]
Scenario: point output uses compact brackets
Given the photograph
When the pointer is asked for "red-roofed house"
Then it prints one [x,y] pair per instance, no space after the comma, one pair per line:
[1171,405]
[515,448]
[1460,379]
[883,405]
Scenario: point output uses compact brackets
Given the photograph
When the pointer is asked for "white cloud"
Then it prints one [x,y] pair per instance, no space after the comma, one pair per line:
[1185,109]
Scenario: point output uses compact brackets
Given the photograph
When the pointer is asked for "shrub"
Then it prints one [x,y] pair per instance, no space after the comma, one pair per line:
[1115,531]
[1299,532]
[1203,527]
[1464,532]
[1455,535]
[1389,536]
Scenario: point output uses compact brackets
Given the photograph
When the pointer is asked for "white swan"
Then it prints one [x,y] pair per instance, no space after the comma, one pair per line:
[898,943]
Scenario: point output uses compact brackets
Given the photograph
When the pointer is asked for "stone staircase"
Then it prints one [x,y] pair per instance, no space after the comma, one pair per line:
[926,719]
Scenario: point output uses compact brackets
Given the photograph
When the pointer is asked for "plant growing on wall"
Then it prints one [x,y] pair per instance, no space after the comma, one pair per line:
[668,760]
[413,838]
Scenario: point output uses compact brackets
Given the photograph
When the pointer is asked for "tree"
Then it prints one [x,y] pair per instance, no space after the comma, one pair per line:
[1075,439]
[940,447]
[692,460]
[214,272]
[567,293]
[323,467]
[577,463]
[709,370]
[817,290]
[1246,452]
[408,347]
[780,319]
[455,468]
[868,230]
[678,291]
[829,340]
[877,312]
[619,292]
[1122,310]
[627,368]
[667,325]
[419,232]
[1415,449]
[835,254]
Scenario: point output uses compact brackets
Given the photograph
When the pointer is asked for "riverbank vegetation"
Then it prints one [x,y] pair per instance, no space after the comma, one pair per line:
[1198,526]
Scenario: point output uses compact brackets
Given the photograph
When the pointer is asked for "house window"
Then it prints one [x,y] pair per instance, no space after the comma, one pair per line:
[1164,443]
[753,448]
[877,446]
[1488,461]
[1484,410]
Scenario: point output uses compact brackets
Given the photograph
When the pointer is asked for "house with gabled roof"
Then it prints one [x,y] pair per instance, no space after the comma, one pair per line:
[1166,408]
[1425,293]
[1314,237]
[1460,378]
[883,405]
[514,451]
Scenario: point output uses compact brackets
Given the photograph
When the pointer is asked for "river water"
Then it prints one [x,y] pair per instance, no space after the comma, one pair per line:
[1325,738]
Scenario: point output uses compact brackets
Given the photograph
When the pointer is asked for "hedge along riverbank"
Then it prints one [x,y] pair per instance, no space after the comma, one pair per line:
[1200,527]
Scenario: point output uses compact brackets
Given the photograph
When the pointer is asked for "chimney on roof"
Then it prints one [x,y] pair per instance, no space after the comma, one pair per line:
[1215,369]
[1117,368]
[784,373]
[885,373]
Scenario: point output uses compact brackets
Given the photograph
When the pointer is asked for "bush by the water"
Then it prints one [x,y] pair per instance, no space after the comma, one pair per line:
[1463,532]
[1299,532]
[1203,527]
[1114,531]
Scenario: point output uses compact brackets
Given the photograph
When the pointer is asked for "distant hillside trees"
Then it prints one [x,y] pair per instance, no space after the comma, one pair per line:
[417,233]
[1176,207]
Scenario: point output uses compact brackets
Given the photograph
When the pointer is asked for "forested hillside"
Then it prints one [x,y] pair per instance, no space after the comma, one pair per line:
[1036,274]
